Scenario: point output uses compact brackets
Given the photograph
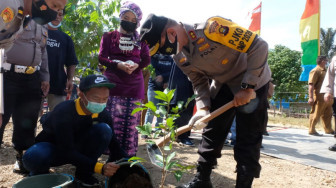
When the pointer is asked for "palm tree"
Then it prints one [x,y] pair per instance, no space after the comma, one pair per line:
[327,39]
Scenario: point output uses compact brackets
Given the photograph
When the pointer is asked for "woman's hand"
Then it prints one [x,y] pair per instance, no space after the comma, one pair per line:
[127,67]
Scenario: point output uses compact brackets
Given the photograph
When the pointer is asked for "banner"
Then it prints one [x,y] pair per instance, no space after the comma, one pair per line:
[310,37]
[255,17]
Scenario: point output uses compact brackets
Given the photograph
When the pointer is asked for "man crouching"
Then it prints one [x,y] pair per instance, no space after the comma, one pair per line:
[77,132]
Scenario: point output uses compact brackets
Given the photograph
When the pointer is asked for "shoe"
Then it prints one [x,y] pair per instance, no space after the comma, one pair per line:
[197,183]
[332,133]
[332,148]
[244,181]
[316,134]
[18,166]
[87,181]
[144,136]
[187,142]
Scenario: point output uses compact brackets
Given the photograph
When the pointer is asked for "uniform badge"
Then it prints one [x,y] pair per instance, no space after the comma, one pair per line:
[224,30]
[200,40]
[169,50]
[192,34]
[213,27]
[43,7]
[225,61]
[7,15]
[204,47]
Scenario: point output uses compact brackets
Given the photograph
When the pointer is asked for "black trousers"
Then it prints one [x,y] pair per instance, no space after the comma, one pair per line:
[250,126]
[184,118]
[22,102]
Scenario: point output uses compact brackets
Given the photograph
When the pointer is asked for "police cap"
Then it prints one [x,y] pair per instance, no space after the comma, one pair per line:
[151,30]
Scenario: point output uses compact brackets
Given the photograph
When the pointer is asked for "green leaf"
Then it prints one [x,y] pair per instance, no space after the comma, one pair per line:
[159,157]
[170,165]
[171,156]
[175,109]
[162,110]
[137,110]
[189,100]
[178,175]
[138,103]
[151,106]
[170,95]
[170,122]
[167,148]
[161,96]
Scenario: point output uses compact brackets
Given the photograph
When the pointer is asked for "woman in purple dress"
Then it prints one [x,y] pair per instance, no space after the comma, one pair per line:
[125,57]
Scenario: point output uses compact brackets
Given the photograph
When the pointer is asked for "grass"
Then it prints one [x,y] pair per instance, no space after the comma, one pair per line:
[294,122]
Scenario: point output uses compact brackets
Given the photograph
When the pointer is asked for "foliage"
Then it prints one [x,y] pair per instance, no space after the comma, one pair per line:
[286,69]
[86,21]
[327,39]
[167,128]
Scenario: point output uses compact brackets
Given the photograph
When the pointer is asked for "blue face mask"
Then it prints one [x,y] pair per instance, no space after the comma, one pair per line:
[95,107]
[55,26]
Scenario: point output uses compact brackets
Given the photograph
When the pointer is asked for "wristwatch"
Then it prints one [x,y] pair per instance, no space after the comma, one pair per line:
[246,86]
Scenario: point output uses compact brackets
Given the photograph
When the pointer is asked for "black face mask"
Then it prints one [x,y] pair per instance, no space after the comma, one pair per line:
[128,26]
[42,16]
[169,48]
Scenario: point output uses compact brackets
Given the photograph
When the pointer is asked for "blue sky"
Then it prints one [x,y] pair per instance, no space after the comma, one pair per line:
[279,20]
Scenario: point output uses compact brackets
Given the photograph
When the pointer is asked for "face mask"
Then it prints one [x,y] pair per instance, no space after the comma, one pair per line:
[55,26]
[169,48]
[95,107]
[128,26]
[41,13]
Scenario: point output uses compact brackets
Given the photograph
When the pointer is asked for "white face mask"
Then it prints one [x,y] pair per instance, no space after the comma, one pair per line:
[55,26]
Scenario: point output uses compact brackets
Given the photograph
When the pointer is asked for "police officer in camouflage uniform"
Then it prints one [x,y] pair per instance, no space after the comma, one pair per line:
[25,66]
[235,59]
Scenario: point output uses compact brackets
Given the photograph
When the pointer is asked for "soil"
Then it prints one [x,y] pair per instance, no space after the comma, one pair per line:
[275,172]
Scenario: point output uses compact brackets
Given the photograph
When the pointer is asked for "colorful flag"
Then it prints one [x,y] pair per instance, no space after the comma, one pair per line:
[310,37]
[255,16]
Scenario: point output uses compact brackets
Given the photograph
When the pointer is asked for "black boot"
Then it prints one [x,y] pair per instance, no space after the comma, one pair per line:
[201,179]
[18,166]
[244,181]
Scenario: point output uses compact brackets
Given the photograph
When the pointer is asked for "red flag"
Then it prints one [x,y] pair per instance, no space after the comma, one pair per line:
[255,16]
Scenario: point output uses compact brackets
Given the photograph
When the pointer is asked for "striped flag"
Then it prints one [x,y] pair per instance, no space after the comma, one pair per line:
[255,16]
[310,37]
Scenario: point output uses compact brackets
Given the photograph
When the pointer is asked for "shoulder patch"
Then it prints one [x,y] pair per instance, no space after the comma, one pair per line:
[229,34]
[7,15]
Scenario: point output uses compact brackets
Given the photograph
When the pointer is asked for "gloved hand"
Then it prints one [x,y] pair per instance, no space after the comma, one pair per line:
[197,125]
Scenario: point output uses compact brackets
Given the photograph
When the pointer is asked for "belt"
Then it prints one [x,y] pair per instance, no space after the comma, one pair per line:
[20,68]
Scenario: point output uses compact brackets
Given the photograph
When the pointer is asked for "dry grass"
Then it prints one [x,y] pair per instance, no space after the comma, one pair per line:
[294,122]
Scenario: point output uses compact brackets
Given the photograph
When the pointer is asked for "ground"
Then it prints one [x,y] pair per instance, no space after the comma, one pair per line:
[275,172]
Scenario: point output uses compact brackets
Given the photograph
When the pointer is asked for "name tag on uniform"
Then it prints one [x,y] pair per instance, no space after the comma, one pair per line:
[229,34]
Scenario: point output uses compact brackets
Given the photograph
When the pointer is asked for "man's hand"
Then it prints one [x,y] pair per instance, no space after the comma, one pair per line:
[311,101]
[68,87]
[328,97]
[197,125]
[243,96]
[45,88]
[110,169]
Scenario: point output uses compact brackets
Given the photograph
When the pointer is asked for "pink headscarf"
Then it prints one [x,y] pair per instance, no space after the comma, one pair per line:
[134,8]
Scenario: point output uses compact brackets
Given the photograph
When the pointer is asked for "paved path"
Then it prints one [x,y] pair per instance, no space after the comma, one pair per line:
[296,145]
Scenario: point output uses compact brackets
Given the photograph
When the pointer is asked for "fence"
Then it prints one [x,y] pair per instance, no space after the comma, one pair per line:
[289,108]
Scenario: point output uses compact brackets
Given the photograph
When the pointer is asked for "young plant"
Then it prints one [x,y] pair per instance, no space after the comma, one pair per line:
[169,113]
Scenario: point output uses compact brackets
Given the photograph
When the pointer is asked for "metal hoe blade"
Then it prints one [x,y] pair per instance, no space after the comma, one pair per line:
[153,150]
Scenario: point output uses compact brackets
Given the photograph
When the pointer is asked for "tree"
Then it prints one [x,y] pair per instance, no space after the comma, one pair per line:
[286,69]
[86,21]
[327,38]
